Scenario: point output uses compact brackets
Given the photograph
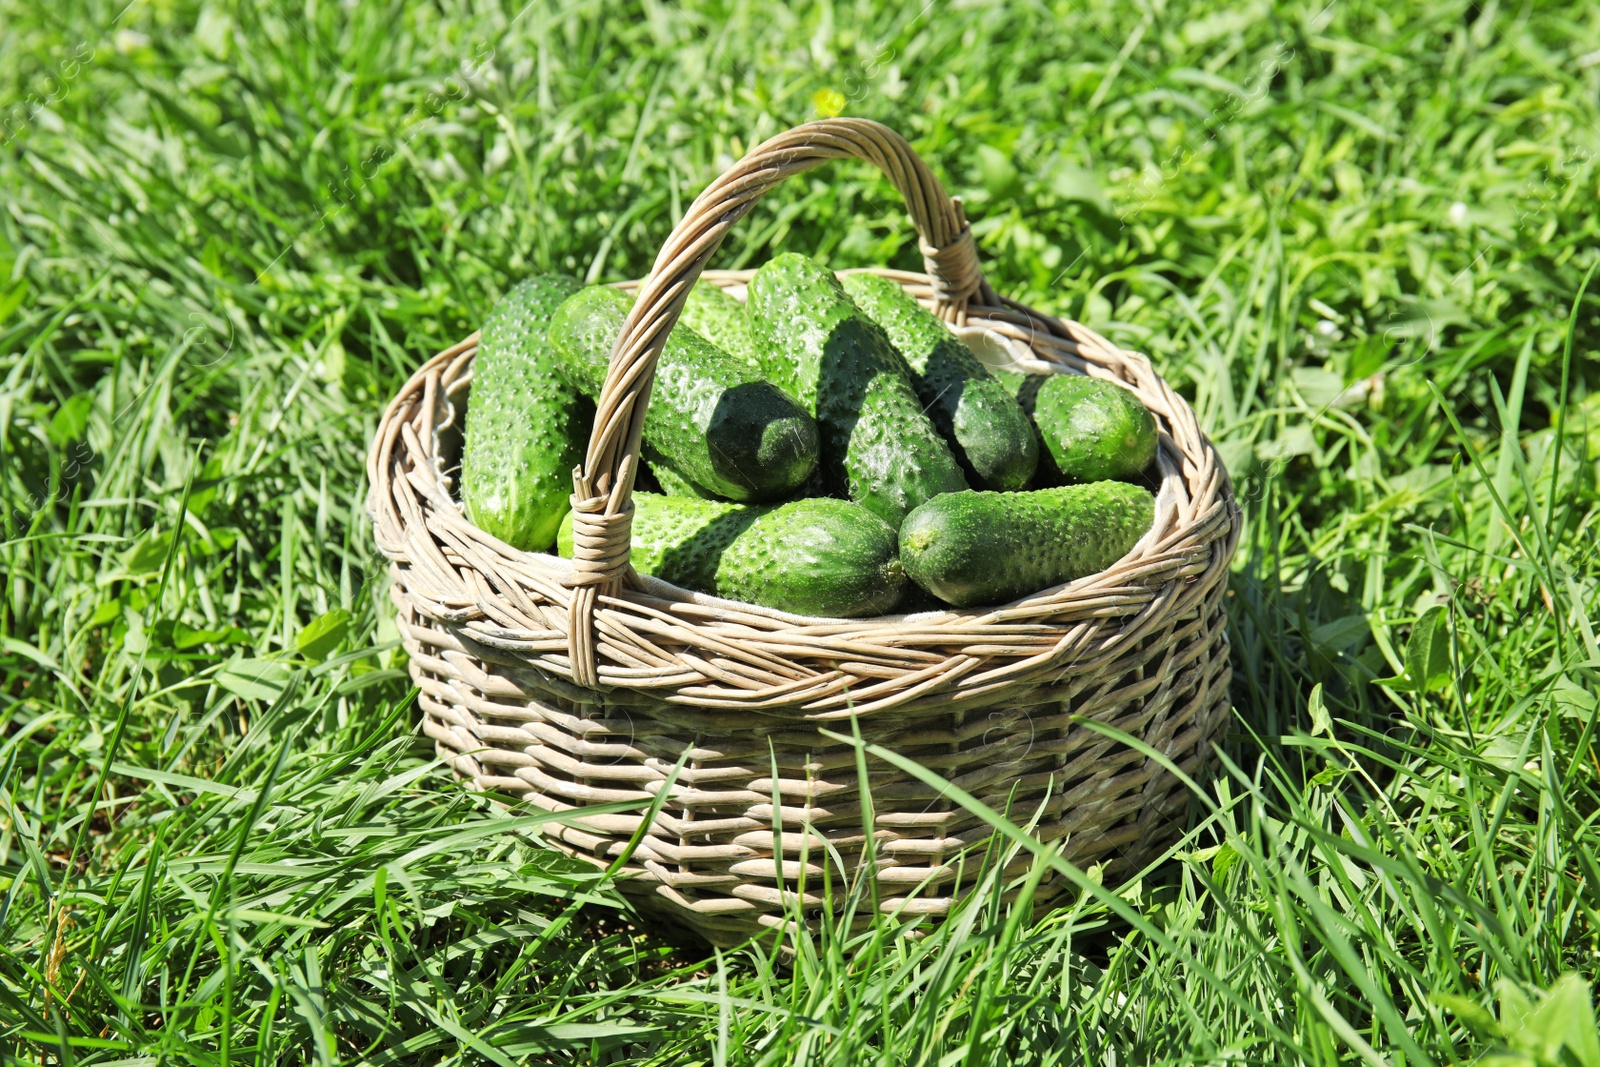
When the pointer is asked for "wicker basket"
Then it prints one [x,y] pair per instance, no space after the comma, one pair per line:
[566,684]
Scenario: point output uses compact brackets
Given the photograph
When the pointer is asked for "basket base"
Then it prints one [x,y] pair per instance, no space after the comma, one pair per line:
[666,915]
[681,926]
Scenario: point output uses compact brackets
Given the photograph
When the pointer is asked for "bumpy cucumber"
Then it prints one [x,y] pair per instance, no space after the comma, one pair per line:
[710,312]
[674,484]
[526,426]
[991,433]
[989,548]
[877,445]
[1091,429]
[711,417]
[820,556]
[1012,381]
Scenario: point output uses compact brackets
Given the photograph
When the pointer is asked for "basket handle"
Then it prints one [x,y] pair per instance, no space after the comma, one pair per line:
[603,487]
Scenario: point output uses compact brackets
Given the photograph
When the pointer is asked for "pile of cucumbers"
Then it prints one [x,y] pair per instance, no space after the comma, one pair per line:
[825,448]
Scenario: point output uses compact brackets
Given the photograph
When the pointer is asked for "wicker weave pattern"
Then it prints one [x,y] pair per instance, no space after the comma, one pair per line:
[564,683]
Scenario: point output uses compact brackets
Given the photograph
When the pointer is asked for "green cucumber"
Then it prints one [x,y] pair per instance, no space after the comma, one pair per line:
[526,427]
[1024,388]
[823,557]
[711,417]
[1092,429]
[710,312]
[990,548]
[674,484]
[1013,381]
[878,447]
[991,433]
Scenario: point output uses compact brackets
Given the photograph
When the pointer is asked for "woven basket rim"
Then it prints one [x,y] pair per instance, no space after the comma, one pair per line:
[1196,530]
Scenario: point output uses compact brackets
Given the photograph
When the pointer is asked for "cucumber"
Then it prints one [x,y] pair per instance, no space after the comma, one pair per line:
[1024,389]
[710,418]
[1012,381]
[526,427]
[1092,429]
[674,484]
[710,312]
[822,557]
[993,438]
[878,447]
[917,600]
[990,548]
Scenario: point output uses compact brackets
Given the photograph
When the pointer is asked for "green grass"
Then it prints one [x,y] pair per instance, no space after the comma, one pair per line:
[1353,233]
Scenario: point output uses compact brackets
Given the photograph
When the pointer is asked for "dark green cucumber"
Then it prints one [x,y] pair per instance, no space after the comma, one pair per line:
[877,445]
[991,433]
[820,556]
[674,484]
[1092,429]
[526,426]
[917,600]
[989,548]
[1012,381]
[711,417]
[710,312]
[1023,388]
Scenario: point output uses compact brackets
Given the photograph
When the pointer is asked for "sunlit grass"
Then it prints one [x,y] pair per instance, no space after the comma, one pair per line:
[1353,234]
